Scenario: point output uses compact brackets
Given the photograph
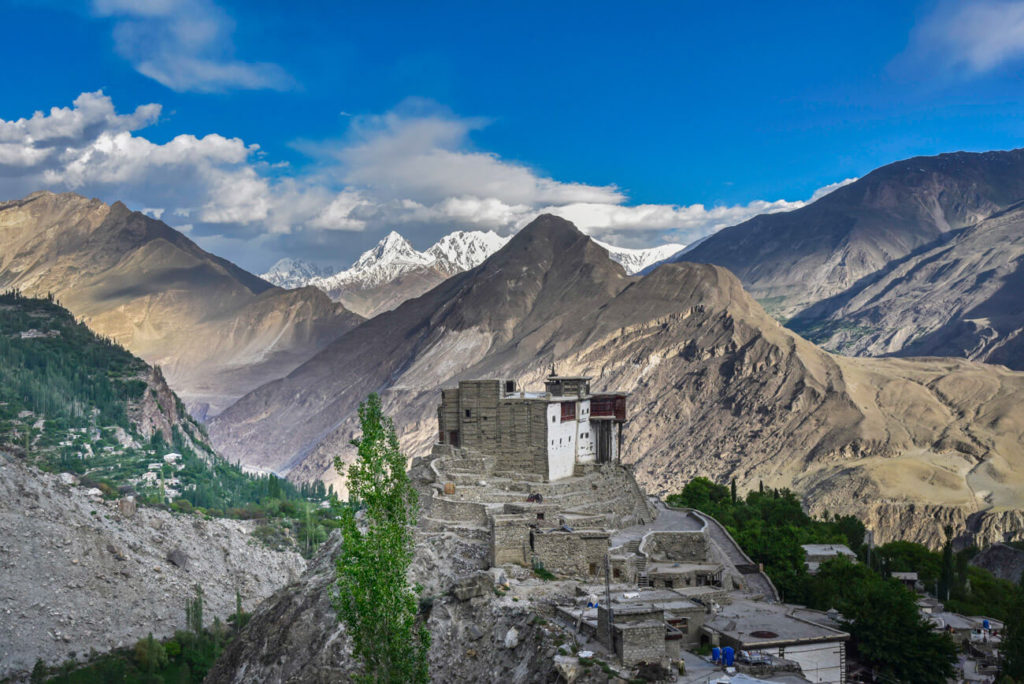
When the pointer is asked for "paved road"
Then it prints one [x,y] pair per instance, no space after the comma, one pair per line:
[668,520]
[758,582]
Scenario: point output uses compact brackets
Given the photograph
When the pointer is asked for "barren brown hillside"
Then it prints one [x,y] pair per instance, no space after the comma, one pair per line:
[719,389]
[216,330]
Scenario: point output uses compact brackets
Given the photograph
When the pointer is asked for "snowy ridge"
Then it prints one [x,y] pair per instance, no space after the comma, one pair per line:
[392,257]
[463,250]
[293,273]
[456,252]
[636,260]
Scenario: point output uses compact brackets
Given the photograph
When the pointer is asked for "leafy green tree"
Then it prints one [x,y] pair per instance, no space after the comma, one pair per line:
[1013,638]
[194,612]
[373,596]
[891,636]
[150,655]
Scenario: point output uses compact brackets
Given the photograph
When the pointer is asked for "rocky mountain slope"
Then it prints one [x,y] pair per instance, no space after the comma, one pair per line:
[960,297]
[792,260]
[393,271]
[76,574]
[216,330]
[718,387]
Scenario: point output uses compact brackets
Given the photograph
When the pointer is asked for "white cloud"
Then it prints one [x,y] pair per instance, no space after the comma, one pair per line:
[413,171]
[970,37]
[425,158]
[185,45]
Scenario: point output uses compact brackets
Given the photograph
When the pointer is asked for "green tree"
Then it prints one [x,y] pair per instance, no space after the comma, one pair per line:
[194,612]
[150,655]
[892,637]
[373,596]
[1013,638]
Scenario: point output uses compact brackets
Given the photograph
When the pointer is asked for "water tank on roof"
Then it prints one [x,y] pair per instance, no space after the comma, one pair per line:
[716,654]
[729,656]
[986,624]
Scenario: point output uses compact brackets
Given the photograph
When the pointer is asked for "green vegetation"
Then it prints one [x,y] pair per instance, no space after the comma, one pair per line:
[185,657]
[966,589]
[372,593]
[1013,637]
[771,526]
[880,614]
[883,620]
[820,331]
[71,401]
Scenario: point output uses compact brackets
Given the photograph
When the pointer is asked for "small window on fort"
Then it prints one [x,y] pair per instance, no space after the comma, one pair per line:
[540,516]
[593,568]
[616,573]
[510,385]
[568,410]
[469,413]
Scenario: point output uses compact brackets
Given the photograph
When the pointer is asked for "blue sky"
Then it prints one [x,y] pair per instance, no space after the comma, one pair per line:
[269,129]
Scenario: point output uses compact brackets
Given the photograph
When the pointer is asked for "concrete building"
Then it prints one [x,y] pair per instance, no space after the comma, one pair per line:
[534,433]
[820,553]
[779,631]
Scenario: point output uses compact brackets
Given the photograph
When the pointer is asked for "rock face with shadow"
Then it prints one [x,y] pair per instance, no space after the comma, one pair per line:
[216,330]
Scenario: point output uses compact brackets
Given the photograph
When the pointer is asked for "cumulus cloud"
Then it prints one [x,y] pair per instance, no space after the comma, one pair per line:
[412,171]
[185,45]
[967,38]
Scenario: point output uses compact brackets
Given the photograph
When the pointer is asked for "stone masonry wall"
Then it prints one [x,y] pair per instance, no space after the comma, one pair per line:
[676,546]
[571,553]
[641,643]
[510,539]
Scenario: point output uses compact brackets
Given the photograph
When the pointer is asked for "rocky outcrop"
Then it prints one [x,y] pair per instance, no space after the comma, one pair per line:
[216,330]
[1003,561]
[77,573]
[295,636]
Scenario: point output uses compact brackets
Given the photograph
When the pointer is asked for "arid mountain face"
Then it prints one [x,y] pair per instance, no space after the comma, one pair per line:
[718,387]
[216,330]
[961,297]
[850,237]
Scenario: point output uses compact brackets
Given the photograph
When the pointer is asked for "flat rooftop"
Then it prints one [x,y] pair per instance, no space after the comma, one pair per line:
[671,567]
[828,550]
[758,625]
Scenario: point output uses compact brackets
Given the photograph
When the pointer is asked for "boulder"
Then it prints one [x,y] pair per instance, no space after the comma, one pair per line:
[471,586]
[178,558]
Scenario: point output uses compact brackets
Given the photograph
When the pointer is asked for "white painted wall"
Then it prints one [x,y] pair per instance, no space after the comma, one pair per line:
[561,443]
[585,451]
[819,662]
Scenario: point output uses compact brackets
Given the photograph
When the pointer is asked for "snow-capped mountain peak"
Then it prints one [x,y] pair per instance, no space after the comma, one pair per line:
[390,258]
[464,249]
[292,273]
[636,260]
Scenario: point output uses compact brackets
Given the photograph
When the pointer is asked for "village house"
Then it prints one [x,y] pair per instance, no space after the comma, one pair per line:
[821,553]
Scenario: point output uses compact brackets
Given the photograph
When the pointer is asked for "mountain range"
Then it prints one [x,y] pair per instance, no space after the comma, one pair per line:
[921,256]
[215,330]
[394,271]
[718,388]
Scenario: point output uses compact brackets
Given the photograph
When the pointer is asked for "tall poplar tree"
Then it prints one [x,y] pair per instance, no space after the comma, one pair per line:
[373,596]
